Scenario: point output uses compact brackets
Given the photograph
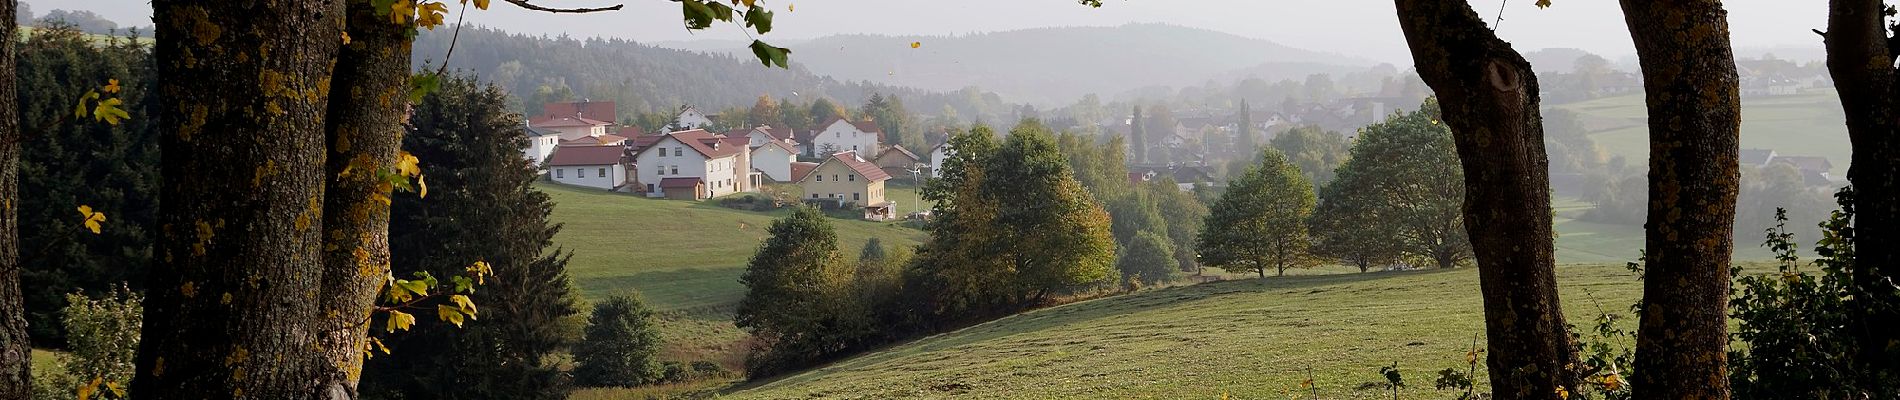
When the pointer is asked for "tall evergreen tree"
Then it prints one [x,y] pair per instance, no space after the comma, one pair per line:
[118,163]
[1260,222]
[622,345]
[1138,137]
[1245,138]
[483,208]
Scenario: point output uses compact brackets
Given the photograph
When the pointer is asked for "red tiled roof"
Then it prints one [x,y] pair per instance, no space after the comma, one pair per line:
[701,141]
[870,171]
[602,140]
[566,122]
[800,169]
[641,143]
[594,110]
[678,183]
[631,131]
[585,155]
[776,133]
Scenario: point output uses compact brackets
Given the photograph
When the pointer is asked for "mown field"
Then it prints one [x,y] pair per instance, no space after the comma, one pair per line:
[1808,124]
[1252,339]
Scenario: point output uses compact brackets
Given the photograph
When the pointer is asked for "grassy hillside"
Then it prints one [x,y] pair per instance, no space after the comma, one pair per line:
[679,255]
[1252,338]
[1809,124]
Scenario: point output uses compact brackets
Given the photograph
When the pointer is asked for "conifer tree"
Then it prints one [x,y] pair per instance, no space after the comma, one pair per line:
[622,346]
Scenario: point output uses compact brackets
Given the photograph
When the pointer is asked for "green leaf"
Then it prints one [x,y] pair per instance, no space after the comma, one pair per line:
[463,284]
[720,11]
[770,55]
[423,84]
[698,15]
[109,111]
[420,288]
[760,19]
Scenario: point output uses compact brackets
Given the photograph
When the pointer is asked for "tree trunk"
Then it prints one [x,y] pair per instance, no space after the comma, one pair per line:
[1860,57]
[1488,95]
[232,308]
[1694,134]
[16,351]
[364,129]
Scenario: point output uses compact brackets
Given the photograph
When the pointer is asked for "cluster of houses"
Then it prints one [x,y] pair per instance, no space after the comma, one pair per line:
[1814,169]
[578,143]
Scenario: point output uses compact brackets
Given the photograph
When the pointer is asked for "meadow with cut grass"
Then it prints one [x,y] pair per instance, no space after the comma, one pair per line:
[1249,338]
[1806,124]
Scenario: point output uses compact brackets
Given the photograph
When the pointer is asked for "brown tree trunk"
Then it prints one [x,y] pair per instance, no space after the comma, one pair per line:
[365,134]
[233,302]
[16,352]
[1860,56]
[1694,132]
[1488,96]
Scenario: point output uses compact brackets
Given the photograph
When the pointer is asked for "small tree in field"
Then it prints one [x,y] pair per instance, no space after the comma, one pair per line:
[1260,222]
[792,285]
[1148,258]
[622,346]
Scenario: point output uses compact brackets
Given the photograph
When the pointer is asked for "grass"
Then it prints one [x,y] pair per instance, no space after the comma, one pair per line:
[44,360]
[1250,338]
[1804,124]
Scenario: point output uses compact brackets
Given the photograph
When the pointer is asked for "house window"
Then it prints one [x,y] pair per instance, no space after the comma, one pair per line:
[854,177]
[558,173]
[676,170]
[854,196]
[854,147]
[649,187]
[834,177]
[814,195]
[821,178]
[580,172]
[603,172]
[677,151]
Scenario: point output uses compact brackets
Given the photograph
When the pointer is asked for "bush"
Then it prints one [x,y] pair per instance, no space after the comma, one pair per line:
[621,346]
[102,336]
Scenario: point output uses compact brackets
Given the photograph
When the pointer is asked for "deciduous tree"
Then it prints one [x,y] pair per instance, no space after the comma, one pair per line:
[1260,222]
[1315,151]
[1404,181]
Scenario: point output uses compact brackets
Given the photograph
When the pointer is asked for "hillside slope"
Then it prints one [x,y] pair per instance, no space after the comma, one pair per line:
[1251,338]
[680,255]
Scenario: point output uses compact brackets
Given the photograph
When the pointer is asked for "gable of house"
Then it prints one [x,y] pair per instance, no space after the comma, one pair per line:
[594,110]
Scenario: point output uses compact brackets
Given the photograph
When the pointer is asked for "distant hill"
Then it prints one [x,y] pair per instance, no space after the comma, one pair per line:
[1052,65]
[644,78]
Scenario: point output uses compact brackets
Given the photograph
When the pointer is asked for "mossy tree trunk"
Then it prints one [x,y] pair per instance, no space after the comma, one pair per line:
[16,354]
[1694,106]
[234,301]
[364,132]
[1488,95]
[1860,57]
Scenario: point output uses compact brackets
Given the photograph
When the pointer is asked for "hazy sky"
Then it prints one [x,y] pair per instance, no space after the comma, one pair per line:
[1363,28]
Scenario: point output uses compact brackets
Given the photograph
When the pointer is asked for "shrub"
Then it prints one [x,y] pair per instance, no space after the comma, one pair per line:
[621,346]
[102,336]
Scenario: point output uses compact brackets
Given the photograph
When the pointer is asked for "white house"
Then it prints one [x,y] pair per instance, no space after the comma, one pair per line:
[840,136]
[720,165]
[591,166]
[541,143]
[937,156]
[774,159]
[690,118]
[762,135]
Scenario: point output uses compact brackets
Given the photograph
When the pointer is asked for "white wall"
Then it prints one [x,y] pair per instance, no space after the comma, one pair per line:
[937,155]
[844,137]
[774,161]
[589,175]
[691,119]
[540,147]
[652,166]
[577,132]
[721,179]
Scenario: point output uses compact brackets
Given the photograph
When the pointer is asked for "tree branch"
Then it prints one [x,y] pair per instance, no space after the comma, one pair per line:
[531,6]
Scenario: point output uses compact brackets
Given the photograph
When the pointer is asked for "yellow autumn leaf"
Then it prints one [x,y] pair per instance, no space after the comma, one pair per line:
[467,306]
[346,38]
[789,7]
[480,269]
[916,44]
[422,184]
[1562,393]
[749,3]
[378,343]
[86,391]
[479,4]
[399,320]
[109,111]
[92,219]
[112,86]
[401,10]
[449,314]
[408,165]
[117,391]
[431,15]
[1306,384]
[1612,382]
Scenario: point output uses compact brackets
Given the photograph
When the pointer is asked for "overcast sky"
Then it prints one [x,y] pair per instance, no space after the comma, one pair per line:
[1363,28]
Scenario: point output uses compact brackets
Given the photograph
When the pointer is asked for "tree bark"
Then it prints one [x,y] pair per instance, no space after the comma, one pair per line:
[1694,105]
[1860,57]
[16,351]
[1488,95]
[233,302]
[364,130]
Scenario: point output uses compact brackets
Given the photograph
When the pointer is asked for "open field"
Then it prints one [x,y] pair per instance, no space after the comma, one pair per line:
[1808,124]
[1250,338]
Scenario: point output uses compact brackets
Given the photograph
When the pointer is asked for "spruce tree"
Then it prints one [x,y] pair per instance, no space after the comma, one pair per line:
[1138,137]
[481,207]
[622,346]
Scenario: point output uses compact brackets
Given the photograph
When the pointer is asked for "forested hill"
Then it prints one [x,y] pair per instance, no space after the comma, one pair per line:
[644,78]
[1050,65]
